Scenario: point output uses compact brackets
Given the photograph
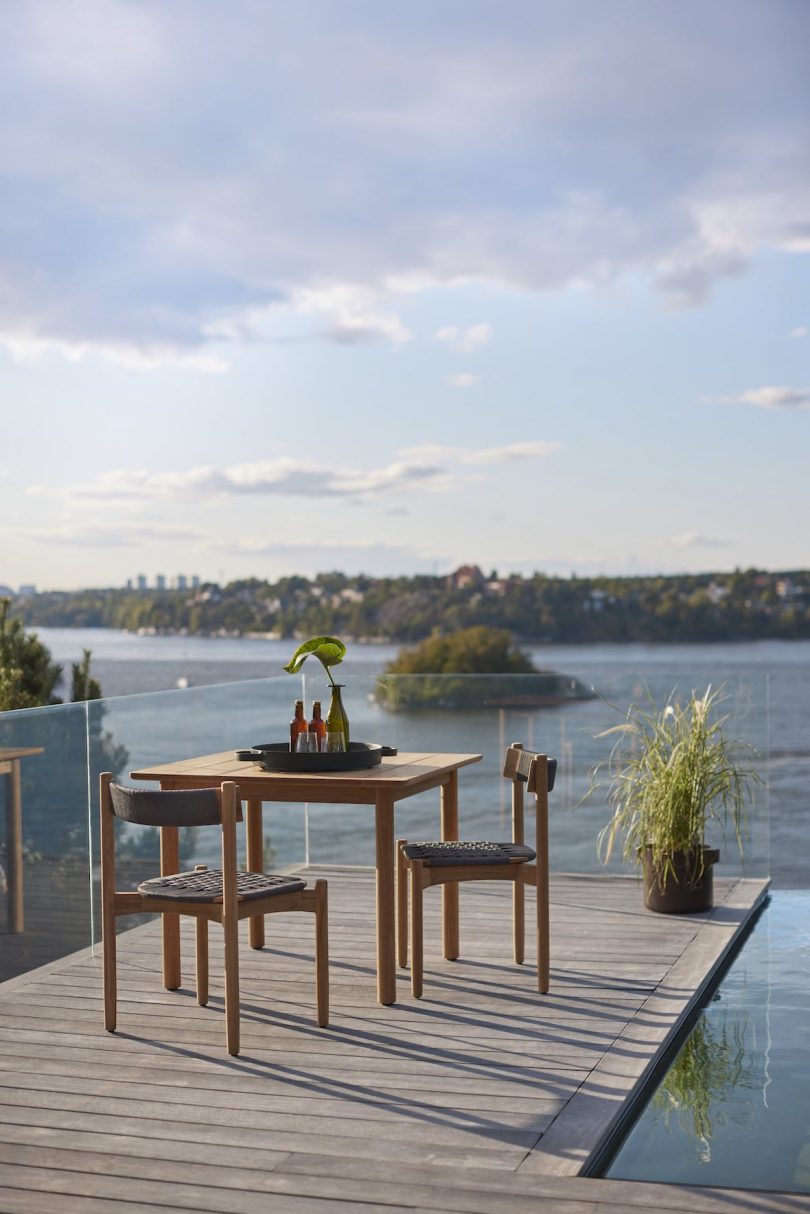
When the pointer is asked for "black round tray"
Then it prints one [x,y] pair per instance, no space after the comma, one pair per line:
[277,756]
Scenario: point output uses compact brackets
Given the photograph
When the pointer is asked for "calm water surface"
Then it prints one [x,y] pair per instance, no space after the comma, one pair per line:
[734,1107]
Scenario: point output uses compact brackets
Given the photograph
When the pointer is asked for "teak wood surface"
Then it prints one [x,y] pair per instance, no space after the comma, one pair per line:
[394,779]
[10,768]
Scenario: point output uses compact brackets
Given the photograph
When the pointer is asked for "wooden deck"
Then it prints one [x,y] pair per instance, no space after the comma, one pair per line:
[483,1096]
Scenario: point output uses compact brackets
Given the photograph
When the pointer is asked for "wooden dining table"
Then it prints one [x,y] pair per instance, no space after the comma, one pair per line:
[396,778]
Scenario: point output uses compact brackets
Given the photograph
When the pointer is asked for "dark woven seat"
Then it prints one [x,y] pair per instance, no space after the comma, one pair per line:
[462,853]
[205,885]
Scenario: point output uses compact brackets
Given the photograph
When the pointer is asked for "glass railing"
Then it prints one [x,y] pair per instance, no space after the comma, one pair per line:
[484,714]
[46,906]
[55,860]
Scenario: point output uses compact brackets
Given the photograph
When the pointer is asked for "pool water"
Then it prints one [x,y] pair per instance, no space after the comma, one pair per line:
[733,1109]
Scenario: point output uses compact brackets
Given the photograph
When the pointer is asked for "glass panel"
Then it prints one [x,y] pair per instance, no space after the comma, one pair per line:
[135,732]
[419,713]
[45,908]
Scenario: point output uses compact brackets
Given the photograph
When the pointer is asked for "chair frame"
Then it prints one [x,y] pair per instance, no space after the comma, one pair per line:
[527,771]
[227,910]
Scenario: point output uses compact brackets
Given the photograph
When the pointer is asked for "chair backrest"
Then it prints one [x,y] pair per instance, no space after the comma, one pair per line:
[521,766]
[183,807]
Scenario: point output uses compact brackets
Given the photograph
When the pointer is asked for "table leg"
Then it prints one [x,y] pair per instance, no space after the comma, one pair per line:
[170,863]
[16,919]
[255,862]
[449,813]
[386,969]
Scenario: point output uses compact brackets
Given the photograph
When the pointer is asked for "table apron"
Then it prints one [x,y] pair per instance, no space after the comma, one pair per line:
[312,793]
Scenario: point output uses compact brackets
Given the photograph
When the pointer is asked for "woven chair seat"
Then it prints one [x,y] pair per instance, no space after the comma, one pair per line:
[461,853]
[206,886]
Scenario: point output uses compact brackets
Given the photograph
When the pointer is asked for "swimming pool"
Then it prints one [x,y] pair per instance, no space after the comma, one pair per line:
[734,1107]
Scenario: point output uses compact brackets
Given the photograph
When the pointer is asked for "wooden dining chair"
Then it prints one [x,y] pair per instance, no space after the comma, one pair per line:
[219,895]
[430,864]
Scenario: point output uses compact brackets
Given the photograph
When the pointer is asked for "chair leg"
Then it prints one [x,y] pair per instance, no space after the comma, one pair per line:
[110,977]
[322,953]
[518,921]
[230,926]
[416,929]
[202,961]
[402,904]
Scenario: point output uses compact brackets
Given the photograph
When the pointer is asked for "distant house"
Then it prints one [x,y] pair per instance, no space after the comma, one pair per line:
[466,577]
[597,601]
[787,589]
[716,593]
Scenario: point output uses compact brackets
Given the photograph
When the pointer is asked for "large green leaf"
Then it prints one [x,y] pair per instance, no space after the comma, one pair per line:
[328,650]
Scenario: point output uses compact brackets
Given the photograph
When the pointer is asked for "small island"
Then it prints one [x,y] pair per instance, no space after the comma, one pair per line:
[476,667]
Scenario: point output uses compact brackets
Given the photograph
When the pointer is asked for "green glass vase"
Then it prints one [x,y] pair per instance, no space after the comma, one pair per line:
[336,716]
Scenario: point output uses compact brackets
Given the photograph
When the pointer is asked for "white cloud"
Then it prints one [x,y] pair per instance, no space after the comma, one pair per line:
[172,172]
[697,539]
[530,449]
[767,397]
[799,331]
[282,476]
[465,379]
[465,340]
[27,348]
[428,468]
[87,534]
[351,312]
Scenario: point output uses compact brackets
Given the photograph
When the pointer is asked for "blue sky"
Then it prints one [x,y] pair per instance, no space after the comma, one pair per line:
[389,288]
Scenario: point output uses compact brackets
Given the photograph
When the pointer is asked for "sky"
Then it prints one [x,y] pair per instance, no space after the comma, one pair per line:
[389,288]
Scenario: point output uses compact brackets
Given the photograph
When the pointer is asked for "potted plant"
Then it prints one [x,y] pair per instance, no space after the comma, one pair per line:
[672,775]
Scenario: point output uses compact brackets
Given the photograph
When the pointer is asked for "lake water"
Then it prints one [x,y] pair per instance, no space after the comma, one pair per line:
[237,699]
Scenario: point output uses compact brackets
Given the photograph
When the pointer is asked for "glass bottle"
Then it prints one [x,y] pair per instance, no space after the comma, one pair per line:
[317,725]
[336,716]
[298,724]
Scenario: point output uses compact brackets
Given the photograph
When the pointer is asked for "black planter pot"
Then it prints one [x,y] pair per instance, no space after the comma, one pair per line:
[679,895]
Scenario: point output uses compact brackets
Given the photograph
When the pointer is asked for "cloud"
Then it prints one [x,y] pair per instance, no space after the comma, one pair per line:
[696,539]
[175,177]
[465,379]
[530,449]
[799,331]
[428,468]
[333,550]
[352,312]
[110,536]
[767,397]
[25,347]
[465,340]
[282,476]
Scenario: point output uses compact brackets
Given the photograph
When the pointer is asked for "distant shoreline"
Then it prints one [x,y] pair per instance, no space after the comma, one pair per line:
[746,605]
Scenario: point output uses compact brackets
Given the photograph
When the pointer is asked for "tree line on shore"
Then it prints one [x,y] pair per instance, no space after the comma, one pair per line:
[743,605]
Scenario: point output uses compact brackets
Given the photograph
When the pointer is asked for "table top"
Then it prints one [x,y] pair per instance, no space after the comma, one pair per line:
[403,774]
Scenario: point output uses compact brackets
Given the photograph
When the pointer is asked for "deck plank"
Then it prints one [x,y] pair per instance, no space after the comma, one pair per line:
[481,1094]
